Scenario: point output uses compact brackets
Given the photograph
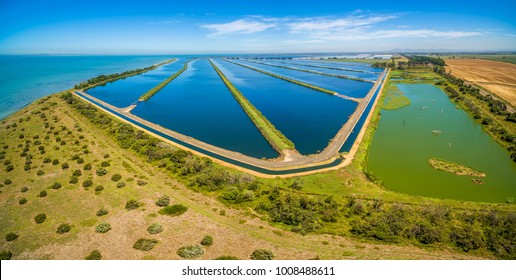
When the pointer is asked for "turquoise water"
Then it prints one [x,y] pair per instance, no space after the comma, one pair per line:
[343,86]
[309,118]
[197,103]
[403,143]
[122,93]
[25,78]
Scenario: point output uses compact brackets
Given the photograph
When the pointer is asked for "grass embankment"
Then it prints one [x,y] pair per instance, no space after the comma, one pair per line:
[103,79]
[314,72]
[394,98]
[284,78]
[146,96]
[454,168]
[278,141]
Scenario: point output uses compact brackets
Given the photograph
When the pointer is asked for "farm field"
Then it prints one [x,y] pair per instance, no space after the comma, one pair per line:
[496,77]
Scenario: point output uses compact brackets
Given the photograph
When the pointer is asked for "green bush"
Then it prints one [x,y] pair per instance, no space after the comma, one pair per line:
[94,255]
[226,258]
[101,172]
[103,228]
[73,180]
[63,228]
[88,183]
[65,165]
[40,172]
[40,218]
[116,177]
[120,185]
[145,244]
[42,193]
[11,236]
[6,255]
[163,201]
[190,252]
[24,189]
[77,173]
[56,186]
[207,240]
[22,201]
[102,212]
[105,164]
[9,168]
[87,166]
[132,204]
[55,162]
[262,254]
[99,188]
[173,210]
[7,182]
[155,228]
[468,237]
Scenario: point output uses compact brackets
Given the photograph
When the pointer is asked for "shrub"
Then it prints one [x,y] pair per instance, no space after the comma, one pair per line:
[6,255]
[163,201]
[65,165]
[468,237]
[40,172]
[155,228]
[73,180]
[87,166]
[132,204]
[101,172]
[145,244]
[55,162]
[56,186]
[10,167]
[42,193]
[207,240]
[105,164]
[63,228]
[102,212]
[22,200]
[88,183]
[103,228]
[40,218]
[116,177]
[262,254]
[24,189]
[173,210]
[120,185]
[226,258]
[80,160]
[190,252]
[99,188]
[77,173]
[94,255]
[11,236]
[7,182]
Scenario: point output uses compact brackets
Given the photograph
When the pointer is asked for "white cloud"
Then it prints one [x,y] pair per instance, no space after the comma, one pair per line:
[395,33]
[329,24]
[241,26]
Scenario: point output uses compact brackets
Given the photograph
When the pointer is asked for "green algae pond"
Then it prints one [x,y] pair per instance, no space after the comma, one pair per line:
[432,127]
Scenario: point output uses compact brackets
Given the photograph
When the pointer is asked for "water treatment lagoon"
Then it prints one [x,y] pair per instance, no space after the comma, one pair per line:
[432,127]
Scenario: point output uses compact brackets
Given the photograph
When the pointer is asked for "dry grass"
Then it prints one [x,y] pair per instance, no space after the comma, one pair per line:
[496,77]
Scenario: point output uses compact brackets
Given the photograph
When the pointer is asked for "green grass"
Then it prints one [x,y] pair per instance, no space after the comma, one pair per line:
[146,96]
[394,98]
[273,135]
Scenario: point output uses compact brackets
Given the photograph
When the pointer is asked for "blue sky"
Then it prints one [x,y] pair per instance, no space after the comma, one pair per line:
[246,26]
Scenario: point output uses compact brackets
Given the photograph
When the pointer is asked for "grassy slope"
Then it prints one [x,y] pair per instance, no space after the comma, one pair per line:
[271,133]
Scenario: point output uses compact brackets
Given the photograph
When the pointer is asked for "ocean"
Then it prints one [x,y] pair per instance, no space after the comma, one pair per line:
[25,78]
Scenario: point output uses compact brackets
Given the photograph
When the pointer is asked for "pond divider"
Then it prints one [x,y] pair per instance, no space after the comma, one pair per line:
[146,96]
[278,141]
[284,78]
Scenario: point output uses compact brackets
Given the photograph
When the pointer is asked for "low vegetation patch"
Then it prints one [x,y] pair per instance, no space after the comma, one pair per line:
[262,254]
[454,168]
[145,244]
[94,255]
[163,201]
[227,258]
[102,212]
[63,228]
[207,240]
[11,236]
[173,210]
[40,218]
[132,204]
[155,228]
[6,255]
[103,228]
[190,252]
